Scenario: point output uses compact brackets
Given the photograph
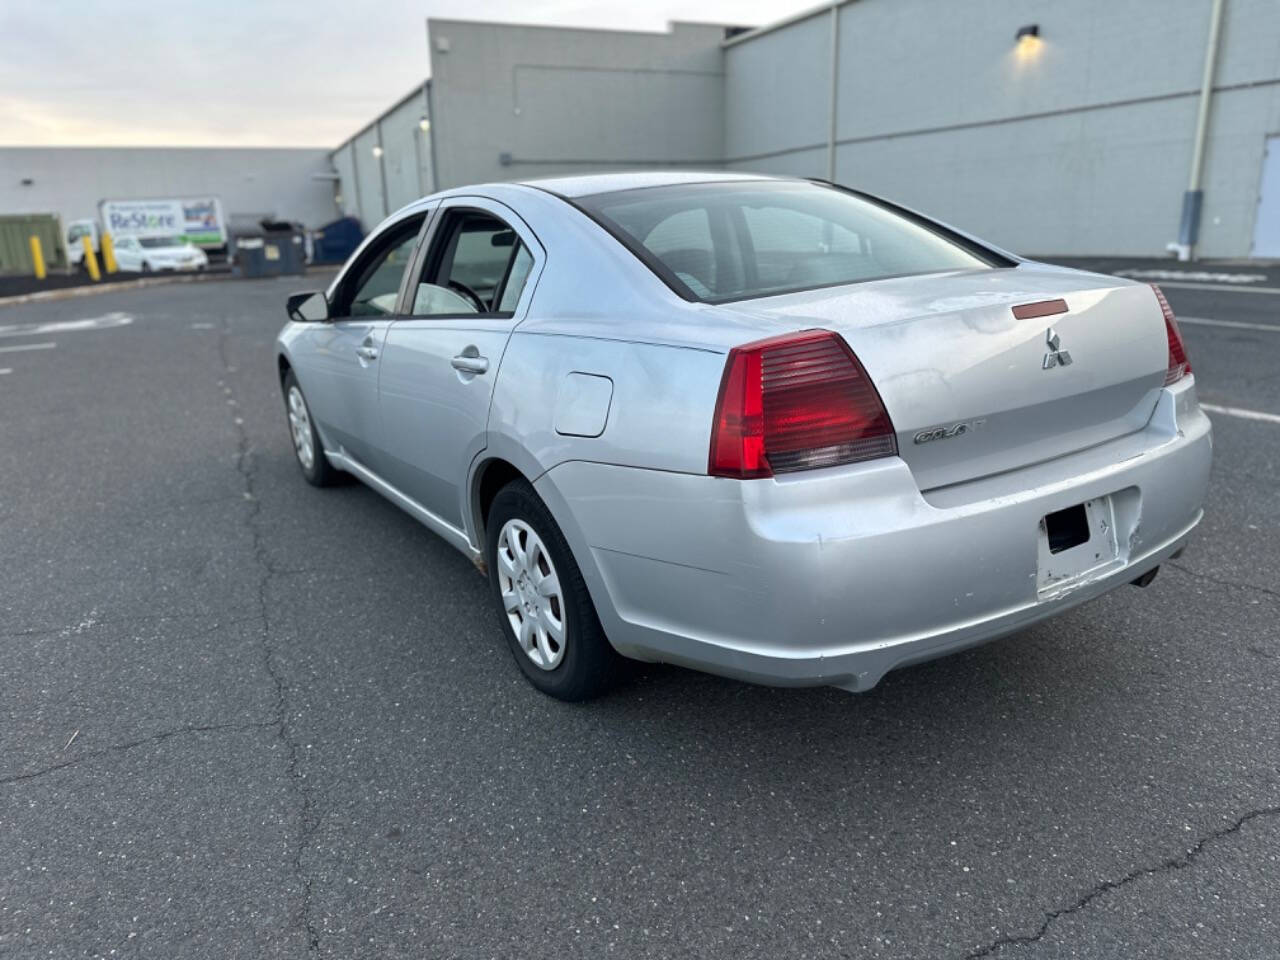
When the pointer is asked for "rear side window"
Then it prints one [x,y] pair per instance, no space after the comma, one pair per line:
[733,241]
[520,267]
[476,265]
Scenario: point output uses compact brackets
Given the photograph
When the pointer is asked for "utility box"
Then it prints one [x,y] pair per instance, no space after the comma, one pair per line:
[16,231]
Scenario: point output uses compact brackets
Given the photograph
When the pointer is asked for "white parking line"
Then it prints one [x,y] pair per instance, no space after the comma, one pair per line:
[1220,287]
[28,346]
[1192,276]
[1242,413]
[104,322]
[4,370]
[1233,324]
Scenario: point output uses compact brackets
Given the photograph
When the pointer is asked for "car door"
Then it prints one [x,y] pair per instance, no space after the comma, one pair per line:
[338,361]
[474,281]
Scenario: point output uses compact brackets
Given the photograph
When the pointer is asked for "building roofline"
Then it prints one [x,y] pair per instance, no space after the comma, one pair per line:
[792,20]
[665,32]
[415,92]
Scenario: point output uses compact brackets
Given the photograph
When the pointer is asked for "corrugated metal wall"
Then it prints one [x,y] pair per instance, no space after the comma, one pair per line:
[405,152]
[15,243]
[1080,145]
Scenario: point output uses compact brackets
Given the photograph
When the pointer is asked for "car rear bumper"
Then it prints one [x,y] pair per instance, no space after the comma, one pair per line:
[838,576]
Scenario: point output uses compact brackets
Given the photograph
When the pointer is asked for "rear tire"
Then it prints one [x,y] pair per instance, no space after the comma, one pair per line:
[307,449]
[546,612]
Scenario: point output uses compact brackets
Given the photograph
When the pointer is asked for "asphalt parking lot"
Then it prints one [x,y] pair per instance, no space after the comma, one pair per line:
[247,718]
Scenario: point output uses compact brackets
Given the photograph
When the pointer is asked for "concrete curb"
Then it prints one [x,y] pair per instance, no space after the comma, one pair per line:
[89,290]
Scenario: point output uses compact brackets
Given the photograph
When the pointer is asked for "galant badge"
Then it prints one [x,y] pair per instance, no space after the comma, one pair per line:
[948,431]
[1055,357]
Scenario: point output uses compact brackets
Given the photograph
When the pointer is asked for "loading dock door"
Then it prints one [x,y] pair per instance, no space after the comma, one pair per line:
[1266,229]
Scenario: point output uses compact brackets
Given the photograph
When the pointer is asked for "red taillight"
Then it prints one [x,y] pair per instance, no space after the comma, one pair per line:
[1179,365]
[793,403]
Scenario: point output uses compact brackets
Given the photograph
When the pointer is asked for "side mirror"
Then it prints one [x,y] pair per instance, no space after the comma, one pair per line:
[309,306]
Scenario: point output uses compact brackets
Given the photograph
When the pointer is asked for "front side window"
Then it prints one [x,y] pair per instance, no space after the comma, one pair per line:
[477,265]
[377,288]
[736,240]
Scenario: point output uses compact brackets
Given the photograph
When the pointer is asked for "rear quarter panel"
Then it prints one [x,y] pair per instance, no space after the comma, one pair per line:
[659,412]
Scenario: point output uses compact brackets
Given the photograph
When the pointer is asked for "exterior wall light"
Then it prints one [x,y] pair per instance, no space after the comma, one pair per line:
[1028,42]
[424,124]
[377,151]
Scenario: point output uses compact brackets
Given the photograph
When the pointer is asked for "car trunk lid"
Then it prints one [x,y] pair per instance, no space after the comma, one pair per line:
[976,387]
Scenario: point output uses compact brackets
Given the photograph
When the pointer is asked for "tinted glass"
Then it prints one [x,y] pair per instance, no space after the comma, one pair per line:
[519,273]
[731,241]
[477,265]
[380,284]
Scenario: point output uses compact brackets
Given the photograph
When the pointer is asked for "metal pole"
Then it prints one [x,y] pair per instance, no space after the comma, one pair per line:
[355,182]
[835,86]
[423,187]
[428,167]
[1193,199]
[431,142]
[382,166]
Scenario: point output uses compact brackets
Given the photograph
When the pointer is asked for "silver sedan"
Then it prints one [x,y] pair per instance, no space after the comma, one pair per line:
[773,429]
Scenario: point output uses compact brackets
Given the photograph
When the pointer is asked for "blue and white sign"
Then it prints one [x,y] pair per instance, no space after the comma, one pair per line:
[196,220]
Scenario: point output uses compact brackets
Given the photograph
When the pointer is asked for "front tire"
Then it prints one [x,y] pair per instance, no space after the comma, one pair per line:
[307,448]
[547,615]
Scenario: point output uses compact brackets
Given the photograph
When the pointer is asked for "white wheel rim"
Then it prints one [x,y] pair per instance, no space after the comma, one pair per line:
[531,594]
[300,425]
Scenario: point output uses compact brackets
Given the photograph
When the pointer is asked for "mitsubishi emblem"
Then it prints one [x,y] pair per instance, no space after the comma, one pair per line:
[1055,357]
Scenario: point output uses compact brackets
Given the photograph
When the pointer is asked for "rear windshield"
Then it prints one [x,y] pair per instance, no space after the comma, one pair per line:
[732,241]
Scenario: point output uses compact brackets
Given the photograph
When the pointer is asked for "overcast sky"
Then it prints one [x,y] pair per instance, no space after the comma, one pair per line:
[256,72]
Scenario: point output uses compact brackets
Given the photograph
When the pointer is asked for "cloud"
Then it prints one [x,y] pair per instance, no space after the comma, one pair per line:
[252,72]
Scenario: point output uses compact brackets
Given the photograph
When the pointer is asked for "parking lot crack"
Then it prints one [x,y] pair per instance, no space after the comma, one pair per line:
[97,624]
[133,744]
[1223,582]
[1181,862]
[267,572]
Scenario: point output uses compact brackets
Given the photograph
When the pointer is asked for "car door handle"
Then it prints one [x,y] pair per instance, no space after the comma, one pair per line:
[470,364]
[367,353]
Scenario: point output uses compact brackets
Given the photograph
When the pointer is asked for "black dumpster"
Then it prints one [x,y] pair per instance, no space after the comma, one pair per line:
[284,246]
[247,252]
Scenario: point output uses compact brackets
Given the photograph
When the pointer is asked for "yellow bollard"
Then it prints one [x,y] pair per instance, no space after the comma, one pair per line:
[90,258]
[37,257]
[109,254]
